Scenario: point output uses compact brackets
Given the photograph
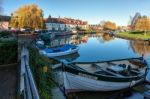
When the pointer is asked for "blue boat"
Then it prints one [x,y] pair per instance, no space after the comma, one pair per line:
[60,51]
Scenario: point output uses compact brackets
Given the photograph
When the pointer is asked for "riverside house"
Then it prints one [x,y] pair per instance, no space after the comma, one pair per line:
[64,24]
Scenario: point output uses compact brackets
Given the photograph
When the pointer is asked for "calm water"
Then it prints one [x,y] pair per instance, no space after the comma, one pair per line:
[102,47]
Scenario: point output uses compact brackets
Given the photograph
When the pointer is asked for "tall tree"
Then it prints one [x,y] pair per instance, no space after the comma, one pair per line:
[143,24]
[27,16]
[109,25]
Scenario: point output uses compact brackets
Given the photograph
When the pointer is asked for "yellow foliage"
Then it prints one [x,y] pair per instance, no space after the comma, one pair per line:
[45,69]
[143,24]
[28,16]
[110,25]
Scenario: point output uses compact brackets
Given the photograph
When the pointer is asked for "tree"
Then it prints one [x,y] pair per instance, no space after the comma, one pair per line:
[143,24]
[109,25]
[28,16]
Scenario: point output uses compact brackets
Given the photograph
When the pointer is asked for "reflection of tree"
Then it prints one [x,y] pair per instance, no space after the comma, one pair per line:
[140,47]
[107,37]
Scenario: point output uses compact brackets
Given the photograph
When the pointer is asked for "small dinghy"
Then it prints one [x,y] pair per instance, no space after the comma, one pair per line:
[60,51]
[100,76]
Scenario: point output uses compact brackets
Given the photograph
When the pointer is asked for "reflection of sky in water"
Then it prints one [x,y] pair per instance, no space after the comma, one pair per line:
[97,49]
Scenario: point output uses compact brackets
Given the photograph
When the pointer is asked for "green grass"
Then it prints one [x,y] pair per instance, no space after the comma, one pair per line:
[134,35]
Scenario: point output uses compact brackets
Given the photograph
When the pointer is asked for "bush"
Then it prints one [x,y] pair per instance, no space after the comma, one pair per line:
[5,33]
[8,52]
[42,78]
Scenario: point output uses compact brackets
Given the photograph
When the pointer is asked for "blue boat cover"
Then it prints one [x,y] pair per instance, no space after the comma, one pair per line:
[60,49]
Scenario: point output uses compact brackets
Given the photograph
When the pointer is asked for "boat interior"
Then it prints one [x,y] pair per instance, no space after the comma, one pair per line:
[122,68]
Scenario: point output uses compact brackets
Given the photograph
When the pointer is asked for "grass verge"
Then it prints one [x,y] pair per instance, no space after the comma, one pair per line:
[134,35]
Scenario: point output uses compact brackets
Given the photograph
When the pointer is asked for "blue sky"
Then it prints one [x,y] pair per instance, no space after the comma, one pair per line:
[92,11]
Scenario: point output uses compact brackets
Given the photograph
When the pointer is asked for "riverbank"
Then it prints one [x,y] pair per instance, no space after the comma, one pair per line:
[134,35]
[41,70]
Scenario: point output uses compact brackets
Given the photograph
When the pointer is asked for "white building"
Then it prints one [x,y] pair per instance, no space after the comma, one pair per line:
[64,24]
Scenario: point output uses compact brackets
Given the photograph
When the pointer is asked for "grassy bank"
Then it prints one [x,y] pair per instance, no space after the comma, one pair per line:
[134,35]
[40,66]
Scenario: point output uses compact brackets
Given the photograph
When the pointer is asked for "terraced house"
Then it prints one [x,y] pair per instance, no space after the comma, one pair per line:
[64,24]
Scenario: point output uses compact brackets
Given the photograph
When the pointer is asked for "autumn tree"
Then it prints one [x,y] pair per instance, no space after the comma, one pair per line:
[143,24]
[109,25]
[27,16]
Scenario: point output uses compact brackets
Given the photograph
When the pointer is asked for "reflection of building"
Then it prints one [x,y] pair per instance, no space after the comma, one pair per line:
[140,47]
[73,39]
[4,22]
[64,23]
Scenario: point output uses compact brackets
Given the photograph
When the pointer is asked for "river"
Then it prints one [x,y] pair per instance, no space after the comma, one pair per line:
[100,47]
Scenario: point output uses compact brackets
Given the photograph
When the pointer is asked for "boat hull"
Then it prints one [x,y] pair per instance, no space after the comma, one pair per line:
[76,83]
[70,51]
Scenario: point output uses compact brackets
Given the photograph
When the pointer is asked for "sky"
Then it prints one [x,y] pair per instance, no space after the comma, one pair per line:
[93,11]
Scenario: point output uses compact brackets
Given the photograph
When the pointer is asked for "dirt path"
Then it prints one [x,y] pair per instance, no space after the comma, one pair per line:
[8,82]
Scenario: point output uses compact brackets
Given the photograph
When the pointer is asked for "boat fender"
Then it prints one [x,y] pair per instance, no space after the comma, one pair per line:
[148,75]
[132,83]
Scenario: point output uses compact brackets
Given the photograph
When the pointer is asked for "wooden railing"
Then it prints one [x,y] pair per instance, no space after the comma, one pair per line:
[28,89]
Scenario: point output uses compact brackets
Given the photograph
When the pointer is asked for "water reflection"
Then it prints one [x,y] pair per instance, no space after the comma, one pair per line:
[107,37]
[68,58]
[98,47]
[140,47]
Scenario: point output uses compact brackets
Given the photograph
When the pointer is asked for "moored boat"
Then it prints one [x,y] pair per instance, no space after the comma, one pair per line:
[60,51]
[47,36]
[62,33]
[101,76]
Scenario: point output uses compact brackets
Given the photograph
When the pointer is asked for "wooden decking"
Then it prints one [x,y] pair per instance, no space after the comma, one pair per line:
[8,82]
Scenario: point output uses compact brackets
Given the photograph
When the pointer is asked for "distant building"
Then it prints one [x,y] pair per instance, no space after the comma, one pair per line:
[64,24]
[4,22]
[96,27]
[124,28]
